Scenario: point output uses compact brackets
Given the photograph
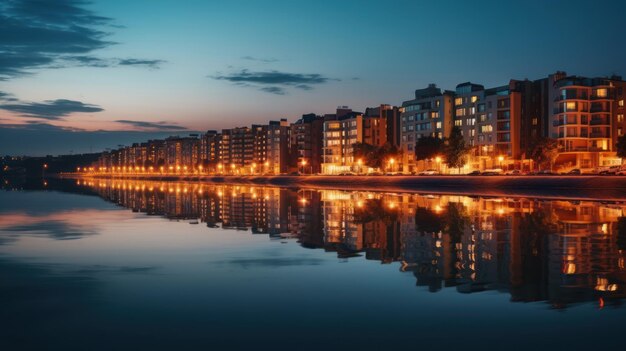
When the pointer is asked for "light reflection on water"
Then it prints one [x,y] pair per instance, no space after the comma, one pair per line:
[196,259]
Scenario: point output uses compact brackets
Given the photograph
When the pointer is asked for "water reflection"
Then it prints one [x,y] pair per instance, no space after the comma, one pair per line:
[560,252]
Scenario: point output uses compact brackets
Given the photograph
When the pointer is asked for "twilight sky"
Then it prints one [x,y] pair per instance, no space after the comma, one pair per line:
[79,76]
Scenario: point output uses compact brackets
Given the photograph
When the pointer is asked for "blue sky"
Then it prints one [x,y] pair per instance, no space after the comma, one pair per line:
[151,68]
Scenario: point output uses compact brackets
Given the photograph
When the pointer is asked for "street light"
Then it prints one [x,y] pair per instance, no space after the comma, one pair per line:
[303,162]
[500,158]
[391,162]
[360,163]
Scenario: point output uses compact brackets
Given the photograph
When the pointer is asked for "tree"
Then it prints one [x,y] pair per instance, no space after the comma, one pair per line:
[620,147]
[368,153]
[544,151]
[428,147]
[456,150]
[375,156]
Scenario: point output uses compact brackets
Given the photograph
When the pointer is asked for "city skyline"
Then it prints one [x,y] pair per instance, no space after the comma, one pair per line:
[108,75]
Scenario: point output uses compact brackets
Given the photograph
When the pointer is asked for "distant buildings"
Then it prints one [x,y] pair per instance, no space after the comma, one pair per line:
[500,124]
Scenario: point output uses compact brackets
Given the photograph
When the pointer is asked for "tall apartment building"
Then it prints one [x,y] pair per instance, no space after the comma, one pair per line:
[241,147]
[209,148]
[390,121]
[588,117]
[181,152]
[306,139]
[279,156]
[261,138]
[341,132]
[429,114]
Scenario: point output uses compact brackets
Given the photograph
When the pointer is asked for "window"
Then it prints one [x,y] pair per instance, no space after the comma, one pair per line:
[460,112]
[458,101]
[620,103]
[602,92]
[486,129]
[471,121]
[535,121]
[620,118]
[474,98]
[458,123]
[619,131]
[570,106]
[438,126]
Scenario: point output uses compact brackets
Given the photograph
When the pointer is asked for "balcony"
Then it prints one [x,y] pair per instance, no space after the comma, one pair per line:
[599,135]
[600,121]
[596,97]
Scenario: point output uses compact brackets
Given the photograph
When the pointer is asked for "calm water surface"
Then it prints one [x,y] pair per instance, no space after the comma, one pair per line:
[112,265]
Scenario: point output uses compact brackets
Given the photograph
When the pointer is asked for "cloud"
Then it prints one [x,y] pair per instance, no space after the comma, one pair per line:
[273,90]
[6,96]
[53,34]
[141,62]
[257,59]
[156,126]
[50,109]
[274,82]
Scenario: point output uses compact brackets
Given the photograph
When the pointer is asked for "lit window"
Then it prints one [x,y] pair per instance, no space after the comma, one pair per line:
[458,101]
[458,123]
[474,98]
[571,106]
[620,118]
[621,103]
[602,92]
[535,121]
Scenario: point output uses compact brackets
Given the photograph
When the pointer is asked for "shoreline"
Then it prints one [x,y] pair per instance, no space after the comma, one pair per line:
[598,188]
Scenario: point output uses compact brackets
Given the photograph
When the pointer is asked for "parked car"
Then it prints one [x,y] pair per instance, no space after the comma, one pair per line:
[514,172]
[474,173]
[575,171]
[545,172]
[429,172]
[622,170]
[492,172]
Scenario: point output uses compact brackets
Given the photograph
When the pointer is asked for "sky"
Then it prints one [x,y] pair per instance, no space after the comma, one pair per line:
[82,76]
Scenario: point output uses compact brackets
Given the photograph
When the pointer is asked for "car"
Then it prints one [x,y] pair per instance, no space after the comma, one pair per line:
[575,171]
[473,173]
[492,172]
[545,172]
[621,171]
[429,172]
[514,172]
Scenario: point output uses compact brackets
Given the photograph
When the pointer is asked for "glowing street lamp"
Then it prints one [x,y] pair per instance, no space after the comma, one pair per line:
[438,160]
[303,163]
[500,159]
[360,163]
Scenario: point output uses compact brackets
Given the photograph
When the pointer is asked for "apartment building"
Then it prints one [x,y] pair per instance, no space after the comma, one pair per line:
[587,119]
[306,139]
[429,114]
[279,155]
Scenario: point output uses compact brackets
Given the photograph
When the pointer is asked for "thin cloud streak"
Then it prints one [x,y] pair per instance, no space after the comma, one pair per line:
[156,126]
[52,110]
[274,82]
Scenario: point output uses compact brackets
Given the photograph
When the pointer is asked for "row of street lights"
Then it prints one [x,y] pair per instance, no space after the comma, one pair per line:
[221,169]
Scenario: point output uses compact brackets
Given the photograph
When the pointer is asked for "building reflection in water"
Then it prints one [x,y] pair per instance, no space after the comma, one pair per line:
[561,252]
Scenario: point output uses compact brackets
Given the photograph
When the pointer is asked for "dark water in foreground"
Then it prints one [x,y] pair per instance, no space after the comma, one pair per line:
[147,265]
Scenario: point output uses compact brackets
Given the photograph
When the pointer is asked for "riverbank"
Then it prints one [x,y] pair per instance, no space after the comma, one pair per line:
[567,187]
